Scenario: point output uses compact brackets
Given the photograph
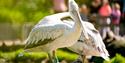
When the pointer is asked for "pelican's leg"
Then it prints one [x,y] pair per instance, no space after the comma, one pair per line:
[84,60]
[79,60]
[50,58]
[55,57]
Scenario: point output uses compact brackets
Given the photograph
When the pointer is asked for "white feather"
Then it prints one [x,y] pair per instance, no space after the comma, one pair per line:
[96,46]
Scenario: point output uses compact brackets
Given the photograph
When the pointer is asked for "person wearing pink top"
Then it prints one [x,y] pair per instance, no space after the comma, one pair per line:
[105,10]
[59,5]
[104,13]
[116,14]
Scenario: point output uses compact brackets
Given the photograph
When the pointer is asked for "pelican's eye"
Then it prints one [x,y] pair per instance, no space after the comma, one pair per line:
[95,31]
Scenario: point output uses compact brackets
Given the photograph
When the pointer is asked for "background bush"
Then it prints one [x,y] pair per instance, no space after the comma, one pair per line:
[25,57]
[19,11]
[36,57]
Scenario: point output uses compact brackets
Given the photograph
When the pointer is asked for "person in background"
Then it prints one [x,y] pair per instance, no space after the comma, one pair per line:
[84,12]
[116,14]
[94,7]
[105,13]
[59,6]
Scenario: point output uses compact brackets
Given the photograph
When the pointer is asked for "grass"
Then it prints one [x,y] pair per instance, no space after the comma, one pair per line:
[15,56]
[117,59]
[35,56]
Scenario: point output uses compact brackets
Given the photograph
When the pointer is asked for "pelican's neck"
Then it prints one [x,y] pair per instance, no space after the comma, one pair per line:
[79,25]
[74,11]
[78,20]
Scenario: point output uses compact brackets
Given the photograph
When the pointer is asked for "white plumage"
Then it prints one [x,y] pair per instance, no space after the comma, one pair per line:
[52,33]
[50,29]
[92,47]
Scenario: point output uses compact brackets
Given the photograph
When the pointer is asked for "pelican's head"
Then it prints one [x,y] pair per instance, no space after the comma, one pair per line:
[73,8]
[74,12]
[96,40]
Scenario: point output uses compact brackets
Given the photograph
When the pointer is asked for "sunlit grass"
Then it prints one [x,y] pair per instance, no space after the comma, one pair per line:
[36,55]
[117,59]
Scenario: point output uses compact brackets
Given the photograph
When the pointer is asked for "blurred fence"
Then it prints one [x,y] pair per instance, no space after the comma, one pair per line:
[12,35]
[11,32]
[26,28]
[7,32]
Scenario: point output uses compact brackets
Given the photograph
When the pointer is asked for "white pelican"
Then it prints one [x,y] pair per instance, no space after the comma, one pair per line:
[94,46]
[51,33]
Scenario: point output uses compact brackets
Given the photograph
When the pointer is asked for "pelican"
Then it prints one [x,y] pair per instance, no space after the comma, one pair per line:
[51,33]
[94,46]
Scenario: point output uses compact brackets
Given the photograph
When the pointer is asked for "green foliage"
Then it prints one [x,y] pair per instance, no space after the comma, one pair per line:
[80,2]
[35,56]
[38,15]
[25,10]
[20,11]
[20,56]
[66,55]
[16,56]
[117,59]
[13,16]
[7,3]
[17,12]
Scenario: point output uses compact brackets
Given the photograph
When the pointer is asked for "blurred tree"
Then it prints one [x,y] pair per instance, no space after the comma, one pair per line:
[23,10]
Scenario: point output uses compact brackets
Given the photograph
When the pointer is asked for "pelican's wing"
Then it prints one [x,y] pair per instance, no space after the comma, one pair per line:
[100,46]
[97,41]
[43,34]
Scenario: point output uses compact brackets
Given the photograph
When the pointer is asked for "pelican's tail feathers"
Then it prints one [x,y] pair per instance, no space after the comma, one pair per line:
[105,57]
